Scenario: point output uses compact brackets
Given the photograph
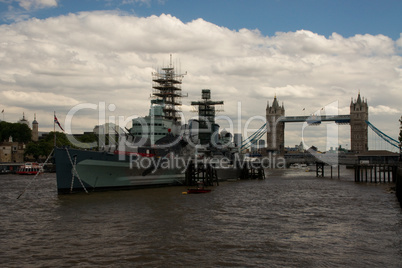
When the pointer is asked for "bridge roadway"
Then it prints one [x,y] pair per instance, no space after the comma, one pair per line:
[339,119]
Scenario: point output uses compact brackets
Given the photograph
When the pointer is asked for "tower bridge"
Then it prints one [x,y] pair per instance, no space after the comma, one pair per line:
[339,119]
[357,119]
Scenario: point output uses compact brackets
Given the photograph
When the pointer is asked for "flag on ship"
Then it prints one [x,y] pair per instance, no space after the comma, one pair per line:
[57,122]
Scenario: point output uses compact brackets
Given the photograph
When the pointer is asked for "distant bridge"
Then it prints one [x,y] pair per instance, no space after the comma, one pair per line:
[339,119]
[311,120]
[274,127]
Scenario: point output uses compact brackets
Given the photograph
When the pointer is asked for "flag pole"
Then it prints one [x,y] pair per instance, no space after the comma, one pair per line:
[54,128]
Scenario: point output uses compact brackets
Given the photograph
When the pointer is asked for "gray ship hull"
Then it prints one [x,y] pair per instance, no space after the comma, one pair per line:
[97,171]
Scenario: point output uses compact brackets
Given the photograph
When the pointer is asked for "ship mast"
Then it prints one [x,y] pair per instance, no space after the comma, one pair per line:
[167,88]
[206,113]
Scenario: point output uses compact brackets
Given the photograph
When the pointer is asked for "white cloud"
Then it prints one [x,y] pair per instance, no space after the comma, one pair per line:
[128,2]
[106,56]
[36,99]
[20,10]
[381,109]
[36,4]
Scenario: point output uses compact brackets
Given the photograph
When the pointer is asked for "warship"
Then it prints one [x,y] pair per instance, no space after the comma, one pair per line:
[154,152]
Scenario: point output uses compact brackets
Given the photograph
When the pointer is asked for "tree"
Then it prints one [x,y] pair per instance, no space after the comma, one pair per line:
[19,132]
[400,132]
[35,149]
[400,139]
[88,138]
[61,139]
[43,147]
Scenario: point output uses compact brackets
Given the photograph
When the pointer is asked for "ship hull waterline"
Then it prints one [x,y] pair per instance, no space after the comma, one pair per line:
[100,171]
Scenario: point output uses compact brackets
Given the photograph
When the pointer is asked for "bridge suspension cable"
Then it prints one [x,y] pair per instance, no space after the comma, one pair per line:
[254,137]
[384,136]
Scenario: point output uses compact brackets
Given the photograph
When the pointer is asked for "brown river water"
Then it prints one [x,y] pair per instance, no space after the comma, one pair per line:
[291,219]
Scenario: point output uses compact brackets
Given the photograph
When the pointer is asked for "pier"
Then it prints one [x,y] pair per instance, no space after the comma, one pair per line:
[252,169]
[9,167]
[206,173]
[200,172]
[375,173]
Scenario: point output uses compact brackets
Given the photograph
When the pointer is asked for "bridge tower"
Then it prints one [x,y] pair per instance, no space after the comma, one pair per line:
[358,125]
[275,129]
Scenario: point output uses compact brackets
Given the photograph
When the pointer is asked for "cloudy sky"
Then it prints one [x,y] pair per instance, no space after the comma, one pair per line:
[57,54]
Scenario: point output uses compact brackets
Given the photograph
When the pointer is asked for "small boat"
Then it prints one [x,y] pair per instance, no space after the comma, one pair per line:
[29,169]
[198,191]
[300,166]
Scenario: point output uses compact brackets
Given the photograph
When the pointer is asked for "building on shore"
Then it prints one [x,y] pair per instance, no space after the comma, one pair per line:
[35,130]
[13,151]
[238,139]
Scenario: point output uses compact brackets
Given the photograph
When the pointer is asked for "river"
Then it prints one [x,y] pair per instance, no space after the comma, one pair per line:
[290,219]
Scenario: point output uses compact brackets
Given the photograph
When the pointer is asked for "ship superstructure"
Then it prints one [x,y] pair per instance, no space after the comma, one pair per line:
[206,113]
[164,114]
[167,88]
[149,129]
